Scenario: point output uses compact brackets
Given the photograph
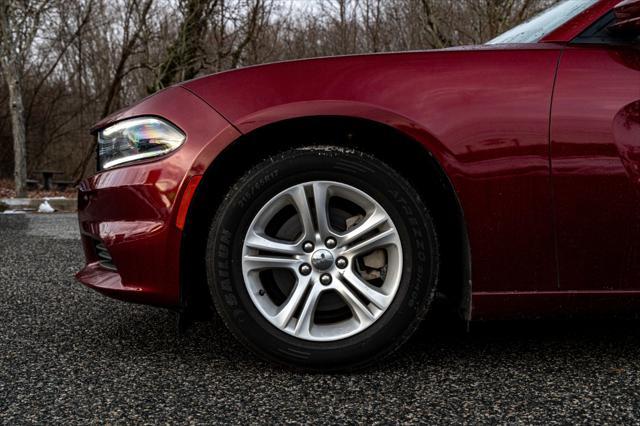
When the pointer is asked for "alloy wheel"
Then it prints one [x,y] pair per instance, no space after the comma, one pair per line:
[322,261]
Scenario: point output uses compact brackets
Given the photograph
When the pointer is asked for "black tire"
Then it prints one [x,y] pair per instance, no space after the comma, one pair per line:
[378,180]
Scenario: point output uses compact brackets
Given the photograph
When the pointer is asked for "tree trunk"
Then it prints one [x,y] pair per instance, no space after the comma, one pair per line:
[19,130]
[12,78]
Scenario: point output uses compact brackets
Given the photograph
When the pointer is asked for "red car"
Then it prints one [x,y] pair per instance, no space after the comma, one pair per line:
[322,204]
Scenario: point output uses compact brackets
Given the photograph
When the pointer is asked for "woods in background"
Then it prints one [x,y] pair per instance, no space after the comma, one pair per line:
[67,64]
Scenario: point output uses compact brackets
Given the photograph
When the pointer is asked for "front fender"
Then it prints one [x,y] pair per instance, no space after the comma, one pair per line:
[330,108]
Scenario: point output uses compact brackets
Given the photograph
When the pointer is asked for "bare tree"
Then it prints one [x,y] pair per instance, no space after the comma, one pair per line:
[134,19]
[185,57]
[135,16]
[342,27]
[19,26]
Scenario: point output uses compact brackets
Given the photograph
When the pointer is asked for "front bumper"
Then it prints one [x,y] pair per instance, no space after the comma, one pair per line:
[128,215]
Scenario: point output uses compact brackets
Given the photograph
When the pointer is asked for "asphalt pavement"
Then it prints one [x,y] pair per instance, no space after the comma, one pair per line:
[70,355]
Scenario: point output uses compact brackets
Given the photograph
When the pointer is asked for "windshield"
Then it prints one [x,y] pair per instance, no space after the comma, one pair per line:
[536,28]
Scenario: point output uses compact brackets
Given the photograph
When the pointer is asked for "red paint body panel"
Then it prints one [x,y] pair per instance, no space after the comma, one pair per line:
[482,113]
[545,304]
[485,114]
[595,148]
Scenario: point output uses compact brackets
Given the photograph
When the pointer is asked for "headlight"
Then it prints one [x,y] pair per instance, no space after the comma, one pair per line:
[136,139]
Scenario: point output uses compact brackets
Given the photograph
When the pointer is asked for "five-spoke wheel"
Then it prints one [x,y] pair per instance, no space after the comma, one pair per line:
[322,258]
[348,248]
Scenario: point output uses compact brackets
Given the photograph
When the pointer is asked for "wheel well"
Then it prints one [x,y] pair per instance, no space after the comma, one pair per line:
[404,154]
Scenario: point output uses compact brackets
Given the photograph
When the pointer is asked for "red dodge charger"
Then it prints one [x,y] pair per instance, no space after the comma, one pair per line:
[320,205]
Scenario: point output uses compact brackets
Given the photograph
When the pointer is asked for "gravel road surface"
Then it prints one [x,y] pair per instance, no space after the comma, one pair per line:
[68,354]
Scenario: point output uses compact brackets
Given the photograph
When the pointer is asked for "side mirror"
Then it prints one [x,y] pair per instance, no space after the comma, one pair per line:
[627,18]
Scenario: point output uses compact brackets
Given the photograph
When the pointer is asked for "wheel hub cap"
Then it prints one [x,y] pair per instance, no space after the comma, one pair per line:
[322,260]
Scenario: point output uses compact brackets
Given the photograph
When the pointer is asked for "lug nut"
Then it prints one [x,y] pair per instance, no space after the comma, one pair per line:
[308,247]
[325,279]
[305,269]
[330,243]
[341,262]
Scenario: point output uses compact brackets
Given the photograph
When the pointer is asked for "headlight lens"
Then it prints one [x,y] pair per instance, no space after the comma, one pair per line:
[136,139]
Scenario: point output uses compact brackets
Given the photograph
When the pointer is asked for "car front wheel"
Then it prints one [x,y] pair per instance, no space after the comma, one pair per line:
[322,258]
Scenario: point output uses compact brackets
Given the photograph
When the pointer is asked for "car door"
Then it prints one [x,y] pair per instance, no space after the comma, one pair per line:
[595,157]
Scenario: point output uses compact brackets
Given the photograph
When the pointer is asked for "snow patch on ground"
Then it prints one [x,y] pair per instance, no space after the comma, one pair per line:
[14,212]
[45,207]
[14,202]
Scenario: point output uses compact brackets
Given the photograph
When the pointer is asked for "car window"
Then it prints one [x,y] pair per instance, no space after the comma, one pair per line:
[539,26]
[599,33]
